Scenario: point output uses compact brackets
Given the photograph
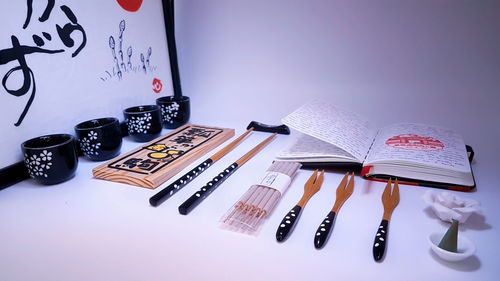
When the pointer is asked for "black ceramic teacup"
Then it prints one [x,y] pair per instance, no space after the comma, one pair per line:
[175,111]
[99,139]
[50,159]
[143,122]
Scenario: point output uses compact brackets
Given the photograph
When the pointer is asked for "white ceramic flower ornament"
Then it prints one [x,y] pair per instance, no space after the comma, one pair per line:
[449,207]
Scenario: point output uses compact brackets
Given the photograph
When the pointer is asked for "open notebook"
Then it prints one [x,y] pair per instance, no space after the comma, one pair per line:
[414,153]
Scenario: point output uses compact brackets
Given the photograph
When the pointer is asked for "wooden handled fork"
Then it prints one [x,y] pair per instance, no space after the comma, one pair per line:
[390,202]
[344,190]
[312,186]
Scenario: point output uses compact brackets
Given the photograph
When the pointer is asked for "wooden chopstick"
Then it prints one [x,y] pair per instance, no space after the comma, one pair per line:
[171,189]
[203,193]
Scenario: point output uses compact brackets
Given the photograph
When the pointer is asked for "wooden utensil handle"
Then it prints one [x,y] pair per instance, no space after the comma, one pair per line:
[171,189]
[288,223]
[203,193]
[380,240]
[324,231]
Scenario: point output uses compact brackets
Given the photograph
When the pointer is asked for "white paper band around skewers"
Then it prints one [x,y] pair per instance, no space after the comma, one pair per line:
[276,180]
[260,199]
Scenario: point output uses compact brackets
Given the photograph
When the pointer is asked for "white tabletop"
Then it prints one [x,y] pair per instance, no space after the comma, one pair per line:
[428,63]
[89,229]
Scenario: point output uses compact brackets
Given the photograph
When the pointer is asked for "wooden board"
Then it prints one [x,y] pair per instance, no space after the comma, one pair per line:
[155,162]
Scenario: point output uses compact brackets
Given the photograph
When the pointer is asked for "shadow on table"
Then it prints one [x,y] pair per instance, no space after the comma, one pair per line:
[470,264]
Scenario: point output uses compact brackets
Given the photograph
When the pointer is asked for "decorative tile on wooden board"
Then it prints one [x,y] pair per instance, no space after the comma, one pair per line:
[157,161]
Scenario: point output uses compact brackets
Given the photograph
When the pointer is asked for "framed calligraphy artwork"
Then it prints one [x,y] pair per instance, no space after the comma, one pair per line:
[63,62]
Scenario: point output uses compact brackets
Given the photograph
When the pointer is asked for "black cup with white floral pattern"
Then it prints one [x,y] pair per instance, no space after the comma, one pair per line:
[143,122]
[174,110]
[99,139]
[51,159]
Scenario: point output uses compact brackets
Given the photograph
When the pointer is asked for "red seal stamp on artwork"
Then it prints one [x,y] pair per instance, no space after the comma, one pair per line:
[130,5]
[415,142]
[157,85]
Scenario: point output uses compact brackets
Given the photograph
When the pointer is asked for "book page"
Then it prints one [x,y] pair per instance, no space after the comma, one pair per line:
[333,125]
[307,147]
[420,144]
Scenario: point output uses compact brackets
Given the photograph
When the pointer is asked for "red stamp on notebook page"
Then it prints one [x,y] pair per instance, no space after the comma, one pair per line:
[157,85]
[415,142]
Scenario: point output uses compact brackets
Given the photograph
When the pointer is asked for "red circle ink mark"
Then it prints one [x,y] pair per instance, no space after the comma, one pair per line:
[415,142]
[157,85]
[130,5]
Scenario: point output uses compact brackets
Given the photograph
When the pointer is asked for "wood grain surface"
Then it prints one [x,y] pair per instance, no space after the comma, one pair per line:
[155,162]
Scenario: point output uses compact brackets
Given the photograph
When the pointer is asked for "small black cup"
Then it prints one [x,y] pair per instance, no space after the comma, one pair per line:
[50,159]
[175,111]
[99,139]
[143,122]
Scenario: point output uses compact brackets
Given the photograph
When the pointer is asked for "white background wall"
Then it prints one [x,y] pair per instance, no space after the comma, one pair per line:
[435,62]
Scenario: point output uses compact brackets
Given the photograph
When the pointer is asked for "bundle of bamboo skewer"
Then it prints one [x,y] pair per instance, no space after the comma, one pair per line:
[258,202]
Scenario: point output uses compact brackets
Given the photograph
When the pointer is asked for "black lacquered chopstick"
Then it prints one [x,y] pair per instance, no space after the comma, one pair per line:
[203,193]
[171,189]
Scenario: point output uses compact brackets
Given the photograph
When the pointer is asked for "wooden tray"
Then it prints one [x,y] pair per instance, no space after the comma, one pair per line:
[155,162]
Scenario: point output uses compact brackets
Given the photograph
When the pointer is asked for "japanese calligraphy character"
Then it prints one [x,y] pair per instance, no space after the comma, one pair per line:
[18,52]
[132,162]
[148,165]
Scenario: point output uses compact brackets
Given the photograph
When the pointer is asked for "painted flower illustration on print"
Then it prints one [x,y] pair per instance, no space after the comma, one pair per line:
[169,112]
[38,165]
[89,145]
[139,124]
